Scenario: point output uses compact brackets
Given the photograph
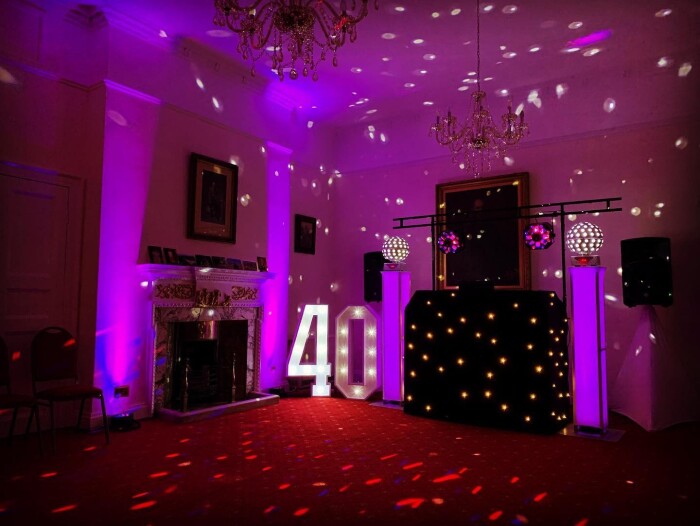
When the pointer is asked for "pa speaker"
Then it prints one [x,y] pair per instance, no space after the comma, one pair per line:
[374,263]
[646,271]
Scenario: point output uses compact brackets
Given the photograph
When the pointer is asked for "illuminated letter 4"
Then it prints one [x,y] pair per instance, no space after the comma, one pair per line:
[321,369]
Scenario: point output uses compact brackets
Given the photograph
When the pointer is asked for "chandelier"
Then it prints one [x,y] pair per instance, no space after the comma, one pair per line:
[294,34]
[478,140]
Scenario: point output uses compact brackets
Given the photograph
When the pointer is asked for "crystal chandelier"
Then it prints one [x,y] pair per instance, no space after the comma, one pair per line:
[478,140]
[294,34]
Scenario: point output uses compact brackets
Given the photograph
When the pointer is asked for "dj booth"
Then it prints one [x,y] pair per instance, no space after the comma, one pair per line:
[495,358]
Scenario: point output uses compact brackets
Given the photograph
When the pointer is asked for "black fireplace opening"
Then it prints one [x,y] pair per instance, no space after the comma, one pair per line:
[208,365]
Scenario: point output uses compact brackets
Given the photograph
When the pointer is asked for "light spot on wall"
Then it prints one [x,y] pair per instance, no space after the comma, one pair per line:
[663,12]
[508,161]
[245,199]
[6,77]
[534,49]
[684,69]
[664,62]
[388,36]
[218,105]
[609,105]
[561,90]
[591,52]
[509,9]
[575,25]
[635,211]
[681,143]
[117,117]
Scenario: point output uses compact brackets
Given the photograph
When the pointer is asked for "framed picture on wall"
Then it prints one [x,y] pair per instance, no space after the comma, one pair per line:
[212,199]
[170,256]
[262,264]
[304,234]
[483,214]
[155,254]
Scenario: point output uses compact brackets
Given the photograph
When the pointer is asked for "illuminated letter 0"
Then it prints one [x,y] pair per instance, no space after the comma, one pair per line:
[342,352]
[321,369]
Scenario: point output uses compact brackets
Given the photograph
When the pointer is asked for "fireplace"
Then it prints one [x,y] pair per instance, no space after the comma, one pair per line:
[209,364]
[206,326]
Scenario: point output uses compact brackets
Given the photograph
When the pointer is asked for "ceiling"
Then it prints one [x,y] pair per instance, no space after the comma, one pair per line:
[525,45]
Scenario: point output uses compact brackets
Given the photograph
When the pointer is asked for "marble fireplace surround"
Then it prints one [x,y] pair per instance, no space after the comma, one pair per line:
[186,294]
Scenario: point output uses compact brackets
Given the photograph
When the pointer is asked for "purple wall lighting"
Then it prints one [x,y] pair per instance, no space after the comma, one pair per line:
[539,236]
[276,291]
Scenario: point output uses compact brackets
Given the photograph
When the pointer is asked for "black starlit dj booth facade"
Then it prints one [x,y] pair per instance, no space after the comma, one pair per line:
[495,358]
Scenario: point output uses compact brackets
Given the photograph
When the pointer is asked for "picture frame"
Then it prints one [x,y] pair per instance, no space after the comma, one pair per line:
[304,234]
[212,199]
[170,256]
[485,214]
[155,255]
[234,263]
[203,261]
[262,264]
[218,262]
[250,265]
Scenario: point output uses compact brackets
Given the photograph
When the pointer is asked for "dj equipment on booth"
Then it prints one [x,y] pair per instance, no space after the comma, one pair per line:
[646,271]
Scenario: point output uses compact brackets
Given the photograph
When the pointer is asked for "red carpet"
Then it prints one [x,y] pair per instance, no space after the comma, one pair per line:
[333,461]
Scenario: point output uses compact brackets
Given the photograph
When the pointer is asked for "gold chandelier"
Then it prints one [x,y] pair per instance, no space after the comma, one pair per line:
[294,34]
[478,140]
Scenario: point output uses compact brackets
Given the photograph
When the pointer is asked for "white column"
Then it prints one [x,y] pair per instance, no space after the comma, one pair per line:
[396,293]
[589,381]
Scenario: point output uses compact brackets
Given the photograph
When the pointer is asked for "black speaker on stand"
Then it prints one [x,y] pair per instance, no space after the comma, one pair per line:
[646,271]
[374,264]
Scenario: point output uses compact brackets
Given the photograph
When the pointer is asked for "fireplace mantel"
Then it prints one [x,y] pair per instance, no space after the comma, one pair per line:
[181,286]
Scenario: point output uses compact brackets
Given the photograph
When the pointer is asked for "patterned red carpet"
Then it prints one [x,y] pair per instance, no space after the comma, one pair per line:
[332,461]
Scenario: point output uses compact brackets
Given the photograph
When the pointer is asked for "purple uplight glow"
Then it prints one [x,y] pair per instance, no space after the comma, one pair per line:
[591,38]
[589,369]
[276,291]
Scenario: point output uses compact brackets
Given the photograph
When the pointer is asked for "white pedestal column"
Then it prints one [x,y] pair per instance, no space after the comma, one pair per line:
[589,381]
[396,293]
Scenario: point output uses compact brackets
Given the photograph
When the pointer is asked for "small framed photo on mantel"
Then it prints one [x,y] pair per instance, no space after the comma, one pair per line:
[212,199]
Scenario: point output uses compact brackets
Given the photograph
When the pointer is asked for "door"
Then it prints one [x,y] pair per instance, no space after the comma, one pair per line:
[39,256]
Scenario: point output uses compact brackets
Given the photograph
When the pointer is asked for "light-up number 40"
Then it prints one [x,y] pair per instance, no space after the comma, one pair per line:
[322,368]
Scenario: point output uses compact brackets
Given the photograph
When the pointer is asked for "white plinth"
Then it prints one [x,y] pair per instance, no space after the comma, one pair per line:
[396,293]
[589,378]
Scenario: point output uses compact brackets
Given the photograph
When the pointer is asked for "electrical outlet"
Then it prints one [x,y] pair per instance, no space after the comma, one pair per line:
[121,391]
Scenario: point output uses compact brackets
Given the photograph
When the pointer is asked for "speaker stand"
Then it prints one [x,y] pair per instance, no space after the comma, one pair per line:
[396,293]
